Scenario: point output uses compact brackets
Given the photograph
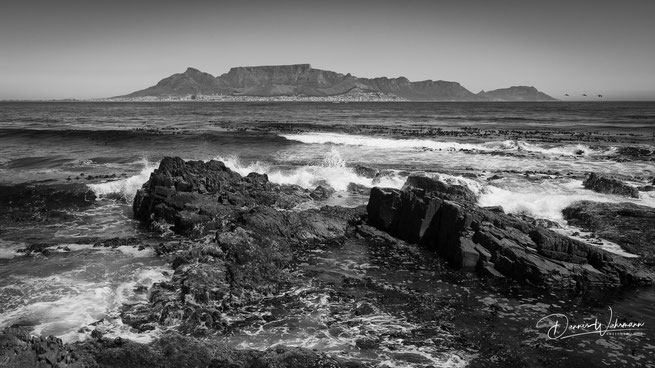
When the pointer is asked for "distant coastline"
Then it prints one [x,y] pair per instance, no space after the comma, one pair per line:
[333,99]
[301,82]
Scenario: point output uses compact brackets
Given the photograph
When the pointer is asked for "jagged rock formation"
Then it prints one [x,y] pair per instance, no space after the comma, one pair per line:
[443,218]
[516,93]
[609,185]
[247,258]
[627,224]
[19,350]
[303,80]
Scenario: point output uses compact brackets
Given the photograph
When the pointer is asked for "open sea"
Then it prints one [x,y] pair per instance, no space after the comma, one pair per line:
[529,158]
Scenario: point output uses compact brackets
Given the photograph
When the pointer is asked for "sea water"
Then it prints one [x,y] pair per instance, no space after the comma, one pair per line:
[529,158]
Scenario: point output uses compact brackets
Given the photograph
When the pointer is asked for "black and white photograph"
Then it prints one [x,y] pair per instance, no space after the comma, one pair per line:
[314,184]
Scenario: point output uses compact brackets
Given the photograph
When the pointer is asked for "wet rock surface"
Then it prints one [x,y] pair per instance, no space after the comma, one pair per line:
[609,185]
[42,203]
[173,350]
[249,256]
[627,224]
[322,192]
[493,243]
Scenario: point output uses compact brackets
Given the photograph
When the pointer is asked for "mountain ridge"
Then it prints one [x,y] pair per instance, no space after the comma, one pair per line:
[301,80]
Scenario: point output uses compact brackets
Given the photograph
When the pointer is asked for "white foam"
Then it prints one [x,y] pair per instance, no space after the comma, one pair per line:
[10,249]
[84,303]
[547,199]
[332,170]
[325,323]
[390,143]
[565,150]
[67,303]
[134,251]
[125,188]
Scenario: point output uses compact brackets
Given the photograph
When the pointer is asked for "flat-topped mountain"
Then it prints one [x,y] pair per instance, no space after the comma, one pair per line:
[516,93]
[302,80]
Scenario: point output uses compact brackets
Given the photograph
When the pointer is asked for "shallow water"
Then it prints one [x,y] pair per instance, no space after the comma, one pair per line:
[65,292]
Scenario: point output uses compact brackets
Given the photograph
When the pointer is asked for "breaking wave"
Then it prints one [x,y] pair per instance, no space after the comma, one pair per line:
[125,189]
[427,144]
[332,170]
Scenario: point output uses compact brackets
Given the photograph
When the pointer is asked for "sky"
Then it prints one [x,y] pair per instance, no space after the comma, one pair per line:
[94,49]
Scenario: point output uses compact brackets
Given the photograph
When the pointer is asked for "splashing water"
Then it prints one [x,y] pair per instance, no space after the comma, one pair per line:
[125,189]
[84,287]
[331,170]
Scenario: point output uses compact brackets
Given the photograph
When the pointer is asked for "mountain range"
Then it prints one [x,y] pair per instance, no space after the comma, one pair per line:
[302,80]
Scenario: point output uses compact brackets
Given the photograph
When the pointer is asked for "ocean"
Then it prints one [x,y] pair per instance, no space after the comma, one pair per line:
[529,158]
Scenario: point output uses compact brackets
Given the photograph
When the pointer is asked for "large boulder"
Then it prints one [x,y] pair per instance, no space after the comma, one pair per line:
[322,192]
[627,224]
[439,188]
[492,242]
[248,256]
[195,197]
[606,184]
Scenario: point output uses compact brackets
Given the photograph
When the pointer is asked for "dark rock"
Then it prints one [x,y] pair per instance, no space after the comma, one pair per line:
[37,248]
[365,171]
[469,254]
[636,153]
[549,224]
[170,351]
[606,184]
[493,242]
[322,192]
[197,197]
[96,334]
[627,224]
[355,188]
[249,256]
[439,188]
[367,344]
[495,209]
[117,242]
[364,309]
[18,349]
[411,358]
[326,223]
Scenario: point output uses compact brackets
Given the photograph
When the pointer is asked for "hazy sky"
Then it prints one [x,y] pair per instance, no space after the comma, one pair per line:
[88,49]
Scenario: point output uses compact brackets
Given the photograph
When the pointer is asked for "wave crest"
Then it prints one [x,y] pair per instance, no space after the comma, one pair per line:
[125,189]
[332,170]
[427,144]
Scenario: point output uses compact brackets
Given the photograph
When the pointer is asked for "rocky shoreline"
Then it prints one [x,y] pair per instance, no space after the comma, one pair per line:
[235,243]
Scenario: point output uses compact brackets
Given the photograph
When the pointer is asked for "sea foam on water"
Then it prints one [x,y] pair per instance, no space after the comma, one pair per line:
[332,170]
[516,146]
[59,302]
